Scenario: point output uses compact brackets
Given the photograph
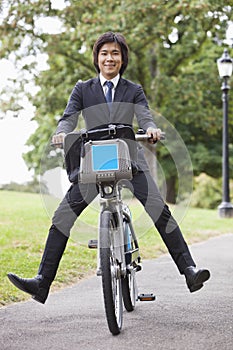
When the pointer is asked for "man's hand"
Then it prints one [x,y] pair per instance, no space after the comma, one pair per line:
[58,139]
[155,134]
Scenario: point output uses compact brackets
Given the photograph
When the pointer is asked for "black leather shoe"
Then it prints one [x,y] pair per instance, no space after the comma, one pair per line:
[195,278]
[38,287]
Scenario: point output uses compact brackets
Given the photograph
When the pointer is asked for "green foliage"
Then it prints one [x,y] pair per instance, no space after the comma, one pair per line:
[173,50]
[207,192]
[32,186]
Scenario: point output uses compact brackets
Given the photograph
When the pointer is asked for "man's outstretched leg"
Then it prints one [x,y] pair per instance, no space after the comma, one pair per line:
[75,201]
[147,192]
[39,286]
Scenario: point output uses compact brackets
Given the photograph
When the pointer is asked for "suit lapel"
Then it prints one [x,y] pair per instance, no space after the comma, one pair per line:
[118,97]
[120,90]
[97,91]
[98,98]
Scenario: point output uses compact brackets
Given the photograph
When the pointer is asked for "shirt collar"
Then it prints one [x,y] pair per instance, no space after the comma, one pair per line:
[114,80]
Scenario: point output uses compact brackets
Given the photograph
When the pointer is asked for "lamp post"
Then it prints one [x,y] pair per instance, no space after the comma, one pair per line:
[225,65]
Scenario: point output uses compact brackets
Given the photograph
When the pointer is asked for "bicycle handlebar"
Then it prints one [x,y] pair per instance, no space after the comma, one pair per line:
[140,136]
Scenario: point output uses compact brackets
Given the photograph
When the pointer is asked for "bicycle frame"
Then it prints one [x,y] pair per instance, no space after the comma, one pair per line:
[114,204]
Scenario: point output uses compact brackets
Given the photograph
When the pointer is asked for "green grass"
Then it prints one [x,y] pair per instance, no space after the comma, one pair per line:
[24,224]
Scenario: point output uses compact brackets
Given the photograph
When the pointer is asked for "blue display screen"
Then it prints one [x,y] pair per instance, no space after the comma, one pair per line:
[105,157]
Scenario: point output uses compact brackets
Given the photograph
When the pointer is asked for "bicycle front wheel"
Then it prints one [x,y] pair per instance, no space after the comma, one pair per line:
[111,276]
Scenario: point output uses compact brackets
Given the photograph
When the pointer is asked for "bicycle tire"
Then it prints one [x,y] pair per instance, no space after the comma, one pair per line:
[129,293]
[129,287]
[111,279]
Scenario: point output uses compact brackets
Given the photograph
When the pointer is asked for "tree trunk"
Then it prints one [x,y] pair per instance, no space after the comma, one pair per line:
[171,190]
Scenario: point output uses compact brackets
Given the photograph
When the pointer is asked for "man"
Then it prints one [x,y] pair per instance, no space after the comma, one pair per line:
[93,99]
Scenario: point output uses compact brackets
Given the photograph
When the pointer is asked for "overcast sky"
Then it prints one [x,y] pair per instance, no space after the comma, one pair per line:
[14,132]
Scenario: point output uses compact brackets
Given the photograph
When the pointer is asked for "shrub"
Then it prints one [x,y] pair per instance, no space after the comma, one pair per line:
[207,192]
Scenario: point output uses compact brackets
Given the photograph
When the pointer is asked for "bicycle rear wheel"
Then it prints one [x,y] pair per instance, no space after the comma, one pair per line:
[129,291]
[111,276]
[129,286]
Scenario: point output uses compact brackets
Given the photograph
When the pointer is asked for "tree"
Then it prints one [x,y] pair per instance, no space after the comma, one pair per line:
[173,46]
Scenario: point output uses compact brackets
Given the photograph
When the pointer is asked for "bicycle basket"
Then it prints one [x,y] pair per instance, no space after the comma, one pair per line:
[105,161]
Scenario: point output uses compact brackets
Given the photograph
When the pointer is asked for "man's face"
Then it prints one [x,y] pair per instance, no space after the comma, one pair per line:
[110,60]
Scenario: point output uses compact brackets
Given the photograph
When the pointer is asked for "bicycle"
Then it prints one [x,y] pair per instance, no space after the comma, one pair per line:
[107,159]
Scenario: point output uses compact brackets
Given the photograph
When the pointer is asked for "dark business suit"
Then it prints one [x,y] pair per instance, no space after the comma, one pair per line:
[129,101]
[88,97]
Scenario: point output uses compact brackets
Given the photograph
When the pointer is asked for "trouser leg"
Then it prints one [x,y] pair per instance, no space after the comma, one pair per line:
[77,198]
[75,201]
[148,194]
[54,248]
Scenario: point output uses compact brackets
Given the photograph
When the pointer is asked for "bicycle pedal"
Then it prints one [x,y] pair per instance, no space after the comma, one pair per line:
[99,272]
[146,297]
[138,268]
[93,244]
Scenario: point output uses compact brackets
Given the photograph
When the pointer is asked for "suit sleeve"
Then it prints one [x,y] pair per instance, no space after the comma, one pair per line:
[69,120]
[142,111]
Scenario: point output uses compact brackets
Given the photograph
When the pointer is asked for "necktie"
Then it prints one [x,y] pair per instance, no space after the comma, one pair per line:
[108,95]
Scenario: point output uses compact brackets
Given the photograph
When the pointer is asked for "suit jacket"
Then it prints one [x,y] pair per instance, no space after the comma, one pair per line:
[87,98]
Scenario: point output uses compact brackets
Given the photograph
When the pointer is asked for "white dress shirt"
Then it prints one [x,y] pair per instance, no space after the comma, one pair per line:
[114,81]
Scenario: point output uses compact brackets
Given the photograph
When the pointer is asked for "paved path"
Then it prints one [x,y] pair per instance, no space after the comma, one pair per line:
[74,317]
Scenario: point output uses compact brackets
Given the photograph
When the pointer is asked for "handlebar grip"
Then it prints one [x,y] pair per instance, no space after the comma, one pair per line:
[57,145]
[163,135]
[145,137]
